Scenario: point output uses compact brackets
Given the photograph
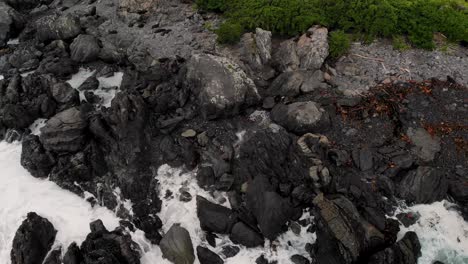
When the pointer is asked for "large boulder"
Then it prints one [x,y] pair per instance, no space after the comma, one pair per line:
[102,246]
[25,58]
[405,251]
[64,132]
[33,239]
[221,87]
[35,158]
[270,209]
[54,27]
[301,117]
[214,217]
[10,23]
[424,185]
[177,247]
[85,48]
[246,236]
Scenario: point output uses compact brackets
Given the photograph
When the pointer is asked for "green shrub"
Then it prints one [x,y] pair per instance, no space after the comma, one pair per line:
[229,32]
[339,44]
[212,5]
[399,43]
[417,19]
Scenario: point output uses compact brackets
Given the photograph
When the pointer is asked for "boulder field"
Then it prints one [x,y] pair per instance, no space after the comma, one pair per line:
[269,122]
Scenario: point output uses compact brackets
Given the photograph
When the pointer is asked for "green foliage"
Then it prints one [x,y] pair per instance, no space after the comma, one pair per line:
[399,43]
[229,32]
[339,44]
[212,5]
[416,19]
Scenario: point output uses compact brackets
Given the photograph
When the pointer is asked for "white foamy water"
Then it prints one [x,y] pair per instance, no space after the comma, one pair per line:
[13,41]
[1,77]
[37,125]
[108,86]
[21,193]
[442,232]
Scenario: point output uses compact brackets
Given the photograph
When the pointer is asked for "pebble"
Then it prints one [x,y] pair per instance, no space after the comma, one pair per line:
[189,133]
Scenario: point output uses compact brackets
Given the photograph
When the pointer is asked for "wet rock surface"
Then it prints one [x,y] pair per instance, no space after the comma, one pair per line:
[271,126]
[33,240]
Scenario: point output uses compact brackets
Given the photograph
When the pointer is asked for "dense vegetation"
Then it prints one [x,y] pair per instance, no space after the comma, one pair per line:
[417,20]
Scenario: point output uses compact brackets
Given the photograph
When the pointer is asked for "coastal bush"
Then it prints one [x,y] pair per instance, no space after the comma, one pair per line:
[418,20]
[339,43]
[229,32]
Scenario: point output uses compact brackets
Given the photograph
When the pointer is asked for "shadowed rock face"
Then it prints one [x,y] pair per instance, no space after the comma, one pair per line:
[32,241]
[10,23]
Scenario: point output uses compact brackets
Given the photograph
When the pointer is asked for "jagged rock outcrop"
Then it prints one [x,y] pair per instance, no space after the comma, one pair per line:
[33,240]
[35,158]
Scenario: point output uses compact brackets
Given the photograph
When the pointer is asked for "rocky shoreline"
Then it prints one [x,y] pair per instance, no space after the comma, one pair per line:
[270,130]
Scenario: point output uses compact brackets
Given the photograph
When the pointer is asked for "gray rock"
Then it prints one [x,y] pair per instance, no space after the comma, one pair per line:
[221,86]
[301,117]
[424,185]
[426,146]
[34,157]
[287,84]
[176,246]
[313,80]
[25,58]
[312,48]
[89,84]
[57,27]
[64,132]
[85,48]
[10,23]
[285,57]
[63,93]
[256,48]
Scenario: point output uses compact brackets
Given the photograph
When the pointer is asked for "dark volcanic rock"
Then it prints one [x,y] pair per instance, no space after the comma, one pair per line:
[343,234]
[63,93]
[91,83]
[102,246]
[32,241]
[64,132]
[244,235]
[301,117]
[214,217]
[85,48]
[221,87]
[424,185]
[298,259]
[206,256]
[35,158]
[405,251]
[270,209]
[16,116]
[177,246]
[73,255]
